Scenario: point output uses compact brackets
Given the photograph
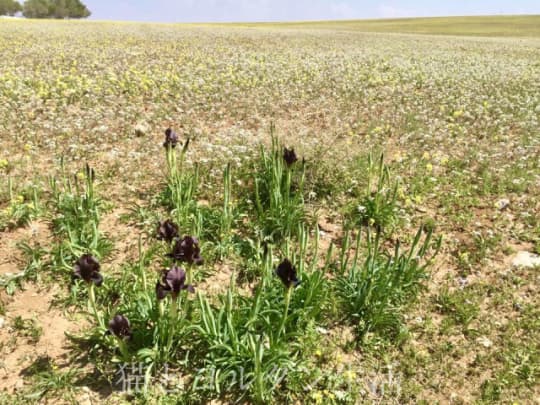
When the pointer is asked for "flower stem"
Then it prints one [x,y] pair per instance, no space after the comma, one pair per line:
[93,306]
[173,319]
[123,348]
[189,280]
[288,185]
[141,265]
[189,274]
[173,311]
[285,313]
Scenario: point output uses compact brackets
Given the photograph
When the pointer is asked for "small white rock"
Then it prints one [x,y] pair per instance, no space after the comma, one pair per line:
[2,322]
[526,259]
[502,203]
[141,129]
[484,341]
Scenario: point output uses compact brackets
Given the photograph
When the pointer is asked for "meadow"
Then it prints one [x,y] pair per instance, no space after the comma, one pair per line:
[285,213]
[486,26]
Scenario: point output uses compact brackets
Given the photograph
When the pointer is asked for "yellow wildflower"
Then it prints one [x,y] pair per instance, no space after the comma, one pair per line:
[350,375]
[328,394]
[317,397]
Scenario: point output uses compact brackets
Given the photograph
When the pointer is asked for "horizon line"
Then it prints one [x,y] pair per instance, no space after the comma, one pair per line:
[90,19]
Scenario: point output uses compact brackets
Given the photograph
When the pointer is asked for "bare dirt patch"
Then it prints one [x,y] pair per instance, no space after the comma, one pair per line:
[37,232]
[17,351]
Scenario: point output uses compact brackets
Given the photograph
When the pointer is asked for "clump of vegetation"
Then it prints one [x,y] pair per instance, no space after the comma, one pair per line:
[373,291]
[245,345]
[278,192]
[22,207]
[377,201]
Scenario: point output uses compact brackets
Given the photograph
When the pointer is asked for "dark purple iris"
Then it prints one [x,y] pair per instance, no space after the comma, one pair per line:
[119,326]
[289,156]
[167,230]
[87,269]
[171,139]
[287,273]
[187,250]
[173,281]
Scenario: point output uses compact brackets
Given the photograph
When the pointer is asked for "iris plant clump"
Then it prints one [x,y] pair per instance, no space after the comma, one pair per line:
[279,198]
[87,268]
[181,183]
[173,282]
[252,332]
[286,271]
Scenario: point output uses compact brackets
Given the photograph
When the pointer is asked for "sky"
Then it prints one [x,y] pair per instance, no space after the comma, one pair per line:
[296,10]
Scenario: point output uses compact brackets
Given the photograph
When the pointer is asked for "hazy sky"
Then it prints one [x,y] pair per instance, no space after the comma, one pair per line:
[286,10]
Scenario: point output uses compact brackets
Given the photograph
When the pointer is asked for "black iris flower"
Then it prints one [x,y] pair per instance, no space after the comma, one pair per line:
[187,250]
[173,281]
[287,273]
[167,230]
[171,139]
[87,269]
[289,156]
[119,326]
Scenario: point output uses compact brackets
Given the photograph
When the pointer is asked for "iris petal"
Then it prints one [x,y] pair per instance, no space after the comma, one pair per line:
[97,278]
[161,291]
[174,281]
[167,230]
[289,156]
[287,273]
[187,250]
[120,327]
[87,268]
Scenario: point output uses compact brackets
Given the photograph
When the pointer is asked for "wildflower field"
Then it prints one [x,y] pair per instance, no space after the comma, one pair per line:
[286,214]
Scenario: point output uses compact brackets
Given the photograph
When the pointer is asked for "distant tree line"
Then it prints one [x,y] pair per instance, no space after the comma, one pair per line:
[45,8]
[9,7]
